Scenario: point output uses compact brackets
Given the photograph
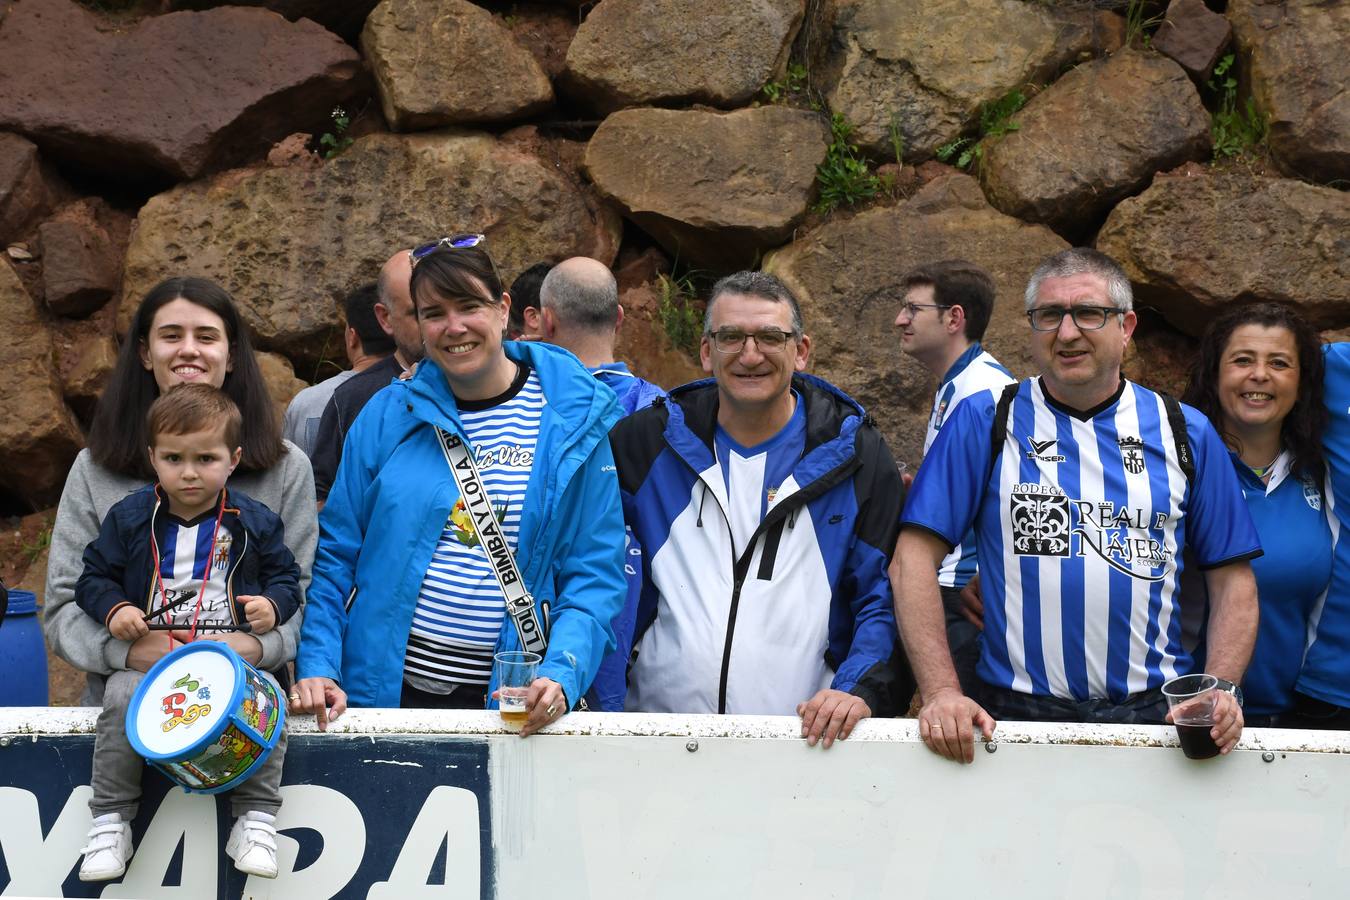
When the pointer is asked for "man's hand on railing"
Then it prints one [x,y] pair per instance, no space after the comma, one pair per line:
[320,696]
[947,724]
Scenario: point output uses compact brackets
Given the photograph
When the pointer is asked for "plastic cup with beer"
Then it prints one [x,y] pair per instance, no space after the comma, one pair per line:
[516,670]
[1191,700]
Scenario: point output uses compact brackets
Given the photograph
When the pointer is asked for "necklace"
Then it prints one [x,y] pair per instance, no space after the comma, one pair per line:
[1264,471]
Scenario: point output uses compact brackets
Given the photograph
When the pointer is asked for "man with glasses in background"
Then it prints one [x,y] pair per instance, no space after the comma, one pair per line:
[945,310]
[765,504]
[1083,490]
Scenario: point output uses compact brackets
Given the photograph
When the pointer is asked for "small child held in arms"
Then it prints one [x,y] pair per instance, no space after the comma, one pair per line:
[185,533]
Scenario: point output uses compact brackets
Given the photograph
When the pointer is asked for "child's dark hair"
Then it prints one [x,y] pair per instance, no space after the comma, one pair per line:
[187,408]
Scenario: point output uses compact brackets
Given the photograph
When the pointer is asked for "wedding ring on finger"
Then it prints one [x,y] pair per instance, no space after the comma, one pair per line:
[295,698]
[552,708]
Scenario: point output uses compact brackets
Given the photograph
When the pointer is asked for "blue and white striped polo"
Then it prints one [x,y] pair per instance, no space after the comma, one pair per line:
[974,371]
[1080,523]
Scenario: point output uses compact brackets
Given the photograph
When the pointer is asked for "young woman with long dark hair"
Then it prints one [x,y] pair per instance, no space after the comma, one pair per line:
[185,330]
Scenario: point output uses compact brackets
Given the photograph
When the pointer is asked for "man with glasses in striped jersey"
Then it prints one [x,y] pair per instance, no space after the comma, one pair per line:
[945,311]
[1083,490]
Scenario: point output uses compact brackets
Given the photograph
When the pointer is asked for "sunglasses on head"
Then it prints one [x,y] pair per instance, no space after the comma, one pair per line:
[454,242]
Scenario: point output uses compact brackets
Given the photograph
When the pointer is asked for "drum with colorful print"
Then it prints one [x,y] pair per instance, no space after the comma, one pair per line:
[205,717]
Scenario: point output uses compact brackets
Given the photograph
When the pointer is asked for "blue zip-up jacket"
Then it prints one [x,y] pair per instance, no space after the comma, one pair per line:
[388,506]
[806,605]
[610,688]
[119,564]
[634,393]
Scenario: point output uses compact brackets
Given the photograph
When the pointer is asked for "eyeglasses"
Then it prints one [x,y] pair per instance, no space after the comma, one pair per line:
[770,340]
[454,242]
[912,309]
[1085,318]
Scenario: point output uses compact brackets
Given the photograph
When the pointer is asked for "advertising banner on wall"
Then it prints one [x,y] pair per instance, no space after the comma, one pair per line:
[396,805]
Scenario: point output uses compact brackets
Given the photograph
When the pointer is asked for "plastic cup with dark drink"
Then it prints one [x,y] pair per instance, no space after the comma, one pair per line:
[1191,700]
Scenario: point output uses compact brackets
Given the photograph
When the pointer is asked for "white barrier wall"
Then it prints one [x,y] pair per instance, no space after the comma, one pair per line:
[409,805]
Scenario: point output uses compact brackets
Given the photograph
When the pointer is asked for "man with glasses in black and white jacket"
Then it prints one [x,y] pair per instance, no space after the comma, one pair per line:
[766,504]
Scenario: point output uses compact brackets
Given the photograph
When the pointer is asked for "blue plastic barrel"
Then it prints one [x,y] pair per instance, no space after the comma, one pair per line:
[23,658]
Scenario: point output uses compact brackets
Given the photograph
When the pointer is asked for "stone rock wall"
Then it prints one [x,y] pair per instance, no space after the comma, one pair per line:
[173,96]
[675,140]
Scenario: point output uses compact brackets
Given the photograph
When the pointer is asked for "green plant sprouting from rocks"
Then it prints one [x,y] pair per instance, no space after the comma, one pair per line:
[897,138]
[996,120]
[41,541]
[1236,130]
[793,82]
[334,142]
[843,177]
[1138,22]
[678,311]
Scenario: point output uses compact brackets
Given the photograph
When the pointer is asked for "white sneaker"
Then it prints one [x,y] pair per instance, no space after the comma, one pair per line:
[253,844]
[109,848]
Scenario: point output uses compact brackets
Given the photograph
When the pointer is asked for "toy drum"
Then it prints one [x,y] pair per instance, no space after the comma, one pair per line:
[205,717]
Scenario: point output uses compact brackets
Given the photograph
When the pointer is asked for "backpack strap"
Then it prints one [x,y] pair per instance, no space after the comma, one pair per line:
[998,433]
[1177,419]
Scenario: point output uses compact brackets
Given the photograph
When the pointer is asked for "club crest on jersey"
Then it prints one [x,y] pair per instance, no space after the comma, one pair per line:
[939,414]
[1040,450]
[1132,454]
[220,557]
[1311,495]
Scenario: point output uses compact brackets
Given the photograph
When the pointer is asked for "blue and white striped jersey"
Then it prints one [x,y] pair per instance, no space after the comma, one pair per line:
[460,608]
[185,557]
[1080,521]
[974,371]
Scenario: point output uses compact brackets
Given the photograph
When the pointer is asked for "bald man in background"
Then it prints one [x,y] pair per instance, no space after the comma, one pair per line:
[580,311]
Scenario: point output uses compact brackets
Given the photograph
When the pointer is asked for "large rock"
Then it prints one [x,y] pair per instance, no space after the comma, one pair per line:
[1296,50]
[81,249]
[287,243]
[24,196]
[927,66]
[636,52]
[1094,136]
[85,358]
[844,273]
[38,436]
[1193,35]
[714,188]
[1245,238]
[447,62]
[342,17]
[173,96]
[79,268]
